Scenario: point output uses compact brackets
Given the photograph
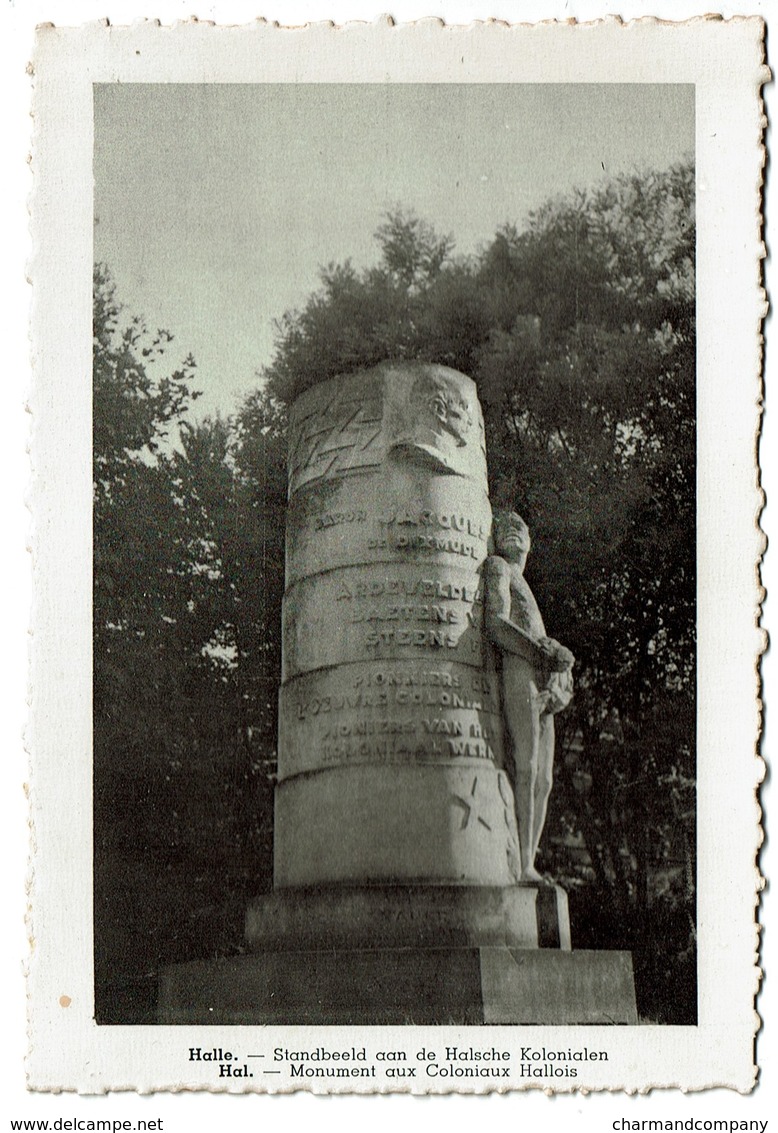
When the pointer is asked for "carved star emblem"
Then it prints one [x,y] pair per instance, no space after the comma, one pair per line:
[469,807]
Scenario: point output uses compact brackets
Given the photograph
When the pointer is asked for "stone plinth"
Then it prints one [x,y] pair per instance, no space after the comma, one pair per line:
[453,986]
[413,916]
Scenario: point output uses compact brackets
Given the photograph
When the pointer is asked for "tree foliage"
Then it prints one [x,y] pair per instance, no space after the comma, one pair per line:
[184,676]
[592,431]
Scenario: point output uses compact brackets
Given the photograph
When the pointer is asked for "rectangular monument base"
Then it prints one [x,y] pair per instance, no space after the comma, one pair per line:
[403,986]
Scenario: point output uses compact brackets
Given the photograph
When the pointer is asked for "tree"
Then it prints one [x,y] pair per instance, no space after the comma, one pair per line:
[182,795]
[134,408]
[594,431]
[358,319]
[412,251]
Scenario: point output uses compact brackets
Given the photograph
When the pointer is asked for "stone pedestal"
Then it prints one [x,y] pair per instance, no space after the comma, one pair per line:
[415,917]
[447,986]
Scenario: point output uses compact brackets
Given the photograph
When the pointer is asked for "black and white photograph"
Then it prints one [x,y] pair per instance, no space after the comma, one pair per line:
[395,710]
[408,329]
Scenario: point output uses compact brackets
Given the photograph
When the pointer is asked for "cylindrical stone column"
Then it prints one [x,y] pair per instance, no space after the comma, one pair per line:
[390,762]
[396,850]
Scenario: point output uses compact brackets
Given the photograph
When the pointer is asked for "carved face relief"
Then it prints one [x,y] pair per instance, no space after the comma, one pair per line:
[437,423]
[442,407]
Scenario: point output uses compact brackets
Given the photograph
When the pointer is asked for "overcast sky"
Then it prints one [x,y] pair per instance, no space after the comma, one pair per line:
[215,205]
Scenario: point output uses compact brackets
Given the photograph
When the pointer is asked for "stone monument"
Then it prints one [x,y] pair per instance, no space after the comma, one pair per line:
[418,691]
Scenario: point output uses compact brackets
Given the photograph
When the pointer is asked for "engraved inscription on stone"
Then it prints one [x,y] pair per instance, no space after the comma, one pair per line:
[386,515]
[351,615]
[425,542]
[394,685]
[388,713]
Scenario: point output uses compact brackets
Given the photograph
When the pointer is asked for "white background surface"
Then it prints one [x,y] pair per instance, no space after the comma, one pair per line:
[190,1112]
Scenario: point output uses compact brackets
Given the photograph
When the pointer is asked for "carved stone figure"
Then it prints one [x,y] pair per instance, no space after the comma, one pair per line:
[537,679]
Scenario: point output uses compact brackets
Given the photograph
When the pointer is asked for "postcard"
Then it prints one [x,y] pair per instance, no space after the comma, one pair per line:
[394,684]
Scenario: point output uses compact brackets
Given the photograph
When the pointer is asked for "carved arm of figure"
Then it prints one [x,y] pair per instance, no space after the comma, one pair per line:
[556,658]
[542,653]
